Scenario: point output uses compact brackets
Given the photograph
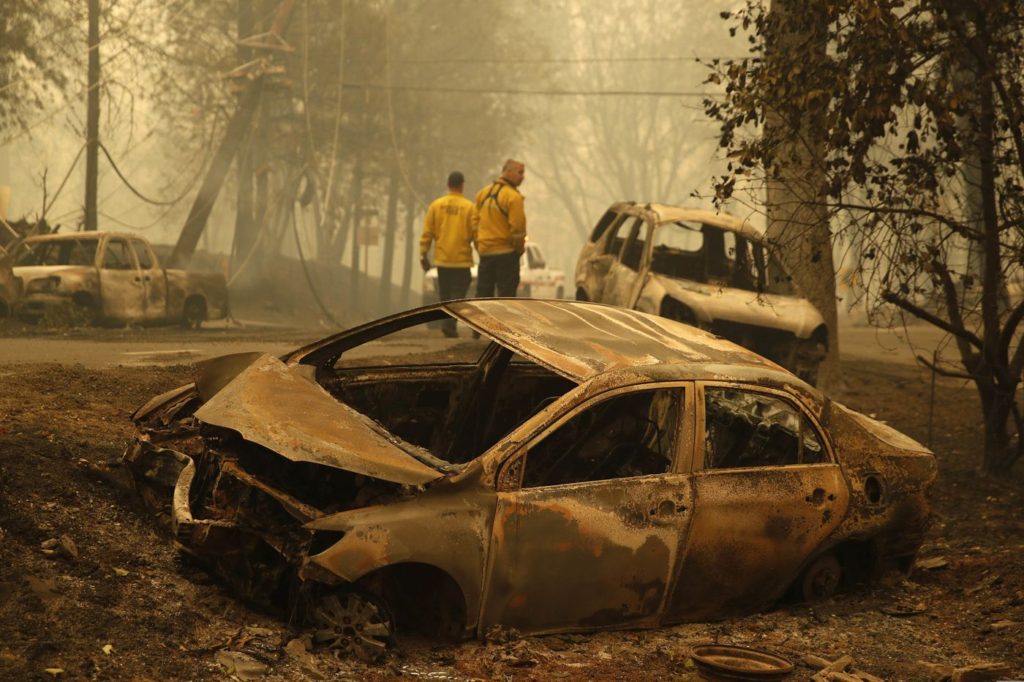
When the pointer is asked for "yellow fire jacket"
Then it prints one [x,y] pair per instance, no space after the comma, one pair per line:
[502,226]
[451,222]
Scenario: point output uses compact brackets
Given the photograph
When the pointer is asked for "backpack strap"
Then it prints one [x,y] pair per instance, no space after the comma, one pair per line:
[492,195]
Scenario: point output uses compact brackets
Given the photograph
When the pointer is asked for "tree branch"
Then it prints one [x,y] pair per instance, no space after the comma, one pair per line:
[921,313]
[942,371]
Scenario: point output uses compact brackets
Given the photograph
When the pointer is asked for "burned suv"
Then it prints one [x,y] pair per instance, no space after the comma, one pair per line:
[576,467]
[707,269]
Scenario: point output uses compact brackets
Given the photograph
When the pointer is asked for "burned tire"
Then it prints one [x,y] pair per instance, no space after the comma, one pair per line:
[194,313]
[353,622]
[84,310]
[821,580]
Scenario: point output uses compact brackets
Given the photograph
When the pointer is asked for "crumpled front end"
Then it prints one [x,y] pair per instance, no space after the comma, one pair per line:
[237,505]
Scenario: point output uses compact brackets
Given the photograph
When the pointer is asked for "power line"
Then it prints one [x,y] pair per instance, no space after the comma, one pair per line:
[566,60]
[525,91]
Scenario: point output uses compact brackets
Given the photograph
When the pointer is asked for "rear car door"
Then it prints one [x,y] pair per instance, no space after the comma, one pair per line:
[768,495]
[590,517]
[121,286]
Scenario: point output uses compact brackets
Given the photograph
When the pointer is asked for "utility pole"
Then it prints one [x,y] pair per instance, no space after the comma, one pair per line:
[92,118]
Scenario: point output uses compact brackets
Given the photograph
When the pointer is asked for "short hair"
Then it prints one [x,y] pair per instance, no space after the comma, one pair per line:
[509,163]
[456,179]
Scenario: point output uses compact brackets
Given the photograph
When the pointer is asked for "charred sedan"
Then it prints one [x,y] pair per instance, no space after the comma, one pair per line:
[578,467]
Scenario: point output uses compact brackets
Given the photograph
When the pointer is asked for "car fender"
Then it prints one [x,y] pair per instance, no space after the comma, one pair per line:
[447,527]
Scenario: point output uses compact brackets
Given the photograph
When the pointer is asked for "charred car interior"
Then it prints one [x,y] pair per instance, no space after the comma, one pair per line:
[577,467]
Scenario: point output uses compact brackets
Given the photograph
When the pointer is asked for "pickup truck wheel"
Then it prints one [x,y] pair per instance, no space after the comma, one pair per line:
[84,310]
[194,313]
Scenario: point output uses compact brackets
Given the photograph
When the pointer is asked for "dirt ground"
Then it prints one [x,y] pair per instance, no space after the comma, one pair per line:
[91,588]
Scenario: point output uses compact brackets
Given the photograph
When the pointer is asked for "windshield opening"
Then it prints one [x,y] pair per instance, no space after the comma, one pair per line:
[454,397]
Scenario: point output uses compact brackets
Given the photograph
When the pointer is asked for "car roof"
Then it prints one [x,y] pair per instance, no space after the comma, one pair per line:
[664,213]
[581,340]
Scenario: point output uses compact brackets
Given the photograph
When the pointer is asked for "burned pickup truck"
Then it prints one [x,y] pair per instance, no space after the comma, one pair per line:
[576,467]
[711,270]
[108,277]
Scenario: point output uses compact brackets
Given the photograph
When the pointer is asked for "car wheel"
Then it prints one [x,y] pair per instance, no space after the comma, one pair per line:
[354,622]
[822,578]
[808,357]
[84,310]
[194,313]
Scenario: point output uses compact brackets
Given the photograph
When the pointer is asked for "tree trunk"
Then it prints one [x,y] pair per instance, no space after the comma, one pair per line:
[410,241]
[390,229]
[214,180]
[92,118]
[796,206]
[1003,386]
[355,221]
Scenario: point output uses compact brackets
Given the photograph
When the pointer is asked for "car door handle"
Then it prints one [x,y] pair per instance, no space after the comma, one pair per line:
[666,508]
[818,497]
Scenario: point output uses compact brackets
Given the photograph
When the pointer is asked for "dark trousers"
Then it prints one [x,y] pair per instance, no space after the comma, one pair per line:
[452,283]
[499,272]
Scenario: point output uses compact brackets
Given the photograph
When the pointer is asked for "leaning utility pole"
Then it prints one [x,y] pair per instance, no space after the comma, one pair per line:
[92,117]
[235,133]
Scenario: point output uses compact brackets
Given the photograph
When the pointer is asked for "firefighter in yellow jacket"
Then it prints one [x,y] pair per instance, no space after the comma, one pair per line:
[501,232]
[451,225]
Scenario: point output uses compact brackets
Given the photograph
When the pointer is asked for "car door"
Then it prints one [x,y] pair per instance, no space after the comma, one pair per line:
[590,516]
[768,495]
[121,287]
[599,255]
[153,281]
[623,282]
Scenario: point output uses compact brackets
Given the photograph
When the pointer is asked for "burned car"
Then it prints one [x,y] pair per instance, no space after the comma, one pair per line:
[110,277]
[577,467]
[707,269]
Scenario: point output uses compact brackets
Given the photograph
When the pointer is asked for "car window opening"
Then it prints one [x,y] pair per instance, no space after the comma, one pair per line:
[455,398]
[56,252]
[746,429]
[625,436]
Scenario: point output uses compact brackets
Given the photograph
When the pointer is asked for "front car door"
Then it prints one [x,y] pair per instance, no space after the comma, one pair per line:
[121,286]
[599,254]
[622,284]
[153,281]
[590,516]
[768,495]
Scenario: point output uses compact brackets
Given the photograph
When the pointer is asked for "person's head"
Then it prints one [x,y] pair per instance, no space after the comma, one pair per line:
[513,171]
[456,180]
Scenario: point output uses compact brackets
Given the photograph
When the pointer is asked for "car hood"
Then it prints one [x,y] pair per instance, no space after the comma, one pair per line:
[283,409]
[714,302]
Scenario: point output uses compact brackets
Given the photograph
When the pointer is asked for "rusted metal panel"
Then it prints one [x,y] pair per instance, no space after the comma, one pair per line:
[585,556]
[273,405]
[447,527]
[750,533]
